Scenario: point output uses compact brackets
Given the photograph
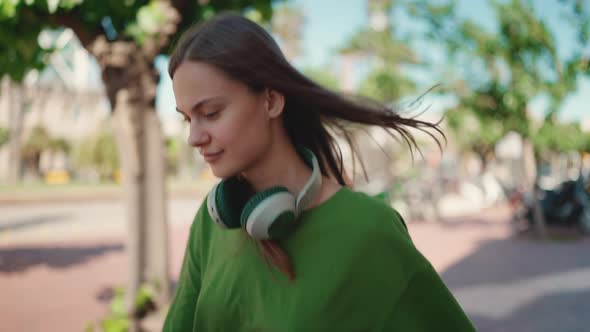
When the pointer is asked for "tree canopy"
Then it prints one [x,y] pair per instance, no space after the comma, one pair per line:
[504,69]
[142,21]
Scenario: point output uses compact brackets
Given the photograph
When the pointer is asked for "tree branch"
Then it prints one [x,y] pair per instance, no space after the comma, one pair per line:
[70,20]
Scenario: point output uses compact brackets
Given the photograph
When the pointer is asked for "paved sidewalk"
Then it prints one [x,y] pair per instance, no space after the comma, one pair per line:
[505,283]
[74,193]
[61,286]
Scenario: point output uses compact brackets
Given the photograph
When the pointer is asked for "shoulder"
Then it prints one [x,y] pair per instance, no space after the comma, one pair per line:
[381,228]
[201,214]
[371,237]
[372,213]
[363,219]
[201,223]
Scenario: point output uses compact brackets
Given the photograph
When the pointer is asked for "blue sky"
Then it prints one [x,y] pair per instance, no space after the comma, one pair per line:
[329,23]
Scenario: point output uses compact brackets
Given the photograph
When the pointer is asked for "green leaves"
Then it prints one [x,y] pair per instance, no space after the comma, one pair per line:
[472,132]
[387,53]
[19,49]
[119,319]
[8,8]
[386,84]
[148,20]
[37,141]
[558,137]
[40,140]
[323,77]
[511,65]
[21,22]
[97,152]
[4,136]
[383,45]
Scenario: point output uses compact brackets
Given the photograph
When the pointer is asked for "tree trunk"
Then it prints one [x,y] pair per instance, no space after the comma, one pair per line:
[141,150]
[130,79]
[530,174]
[484,152]
[483,159]
[16,111]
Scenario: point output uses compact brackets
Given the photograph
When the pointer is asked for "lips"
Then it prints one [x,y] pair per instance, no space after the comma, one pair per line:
[212,157]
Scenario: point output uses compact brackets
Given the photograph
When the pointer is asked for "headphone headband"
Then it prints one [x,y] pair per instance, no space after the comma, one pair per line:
[313,185]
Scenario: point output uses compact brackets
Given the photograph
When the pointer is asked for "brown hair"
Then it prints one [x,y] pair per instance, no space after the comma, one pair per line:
[247,53]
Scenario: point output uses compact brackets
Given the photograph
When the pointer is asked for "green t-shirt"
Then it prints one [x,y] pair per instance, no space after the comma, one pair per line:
[356,270]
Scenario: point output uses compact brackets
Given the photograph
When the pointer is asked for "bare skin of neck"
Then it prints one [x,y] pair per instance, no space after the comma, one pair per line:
[281,165]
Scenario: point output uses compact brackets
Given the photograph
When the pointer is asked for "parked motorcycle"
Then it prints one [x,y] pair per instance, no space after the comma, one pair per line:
[568,205]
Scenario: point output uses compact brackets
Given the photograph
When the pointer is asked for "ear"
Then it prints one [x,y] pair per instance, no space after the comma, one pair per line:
[274,103]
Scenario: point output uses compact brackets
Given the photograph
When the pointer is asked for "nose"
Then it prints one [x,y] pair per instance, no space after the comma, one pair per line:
[198,136]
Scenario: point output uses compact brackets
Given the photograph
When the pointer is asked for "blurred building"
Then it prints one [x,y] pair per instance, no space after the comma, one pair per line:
[67,98]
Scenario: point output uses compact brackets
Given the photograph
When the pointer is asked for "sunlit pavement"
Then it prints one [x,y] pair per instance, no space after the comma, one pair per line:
[60,263]
[507,282]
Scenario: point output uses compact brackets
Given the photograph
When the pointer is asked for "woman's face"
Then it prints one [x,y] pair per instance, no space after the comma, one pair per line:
[228,122]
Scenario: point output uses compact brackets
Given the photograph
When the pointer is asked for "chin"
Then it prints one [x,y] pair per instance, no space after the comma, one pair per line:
[227,168]
[218,173]
[221,172]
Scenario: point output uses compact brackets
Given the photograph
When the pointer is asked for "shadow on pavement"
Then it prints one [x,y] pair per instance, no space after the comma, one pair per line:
[516,259]
[21,259]
[519,284]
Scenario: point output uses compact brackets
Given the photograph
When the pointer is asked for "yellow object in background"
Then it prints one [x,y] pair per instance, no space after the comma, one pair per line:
[117,176]
[57,177]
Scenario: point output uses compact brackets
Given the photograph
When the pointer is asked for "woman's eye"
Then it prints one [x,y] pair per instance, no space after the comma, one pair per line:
[211,115]
[186,118]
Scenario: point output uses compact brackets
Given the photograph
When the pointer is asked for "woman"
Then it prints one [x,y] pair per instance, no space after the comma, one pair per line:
[282,243]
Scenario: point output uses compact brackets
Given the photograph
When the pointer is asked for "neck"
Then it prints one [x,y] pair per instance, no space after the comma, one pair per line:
[281,165]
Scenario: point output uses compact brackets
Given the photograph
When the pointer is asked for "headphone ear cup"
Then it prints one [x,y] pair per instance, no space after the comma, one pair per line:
[270,213]
[256,200]
[230,197]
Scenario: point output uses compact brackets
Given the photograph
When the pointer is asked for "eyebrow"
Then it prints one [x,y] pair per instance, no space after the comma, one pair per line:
[201,103]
